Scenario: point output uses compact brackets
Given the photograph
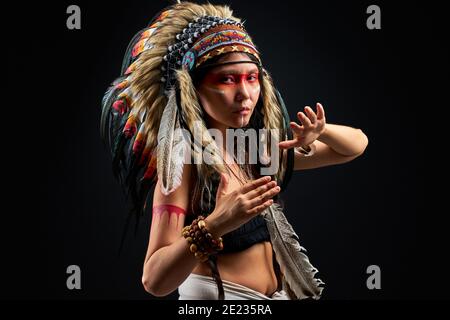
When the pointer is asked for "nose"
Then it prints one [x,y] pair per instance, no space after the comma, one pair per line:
[242,91]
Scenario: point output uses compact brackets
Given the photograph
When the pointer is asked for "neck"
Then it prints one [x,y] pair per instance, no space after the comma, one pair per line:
[212,124]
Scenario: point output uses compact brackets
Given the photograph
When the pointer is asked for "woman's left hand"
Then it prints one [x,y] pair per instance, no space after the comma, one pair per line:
[312,126]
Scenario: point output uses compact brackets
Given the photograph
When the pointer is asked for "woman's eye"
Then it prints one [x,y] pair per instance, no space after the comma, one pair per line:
[251,78]
[228,79]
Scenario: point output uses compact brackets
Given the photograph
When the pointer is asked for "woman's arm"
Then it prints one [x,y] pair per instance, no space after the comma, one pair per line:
[337,144]
[346,141]
[167,268]
[168,261]
[333,144]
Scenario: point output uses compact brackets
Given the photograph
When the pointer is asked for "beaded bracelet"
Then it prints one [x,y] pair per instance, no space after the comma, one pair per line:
[200,240]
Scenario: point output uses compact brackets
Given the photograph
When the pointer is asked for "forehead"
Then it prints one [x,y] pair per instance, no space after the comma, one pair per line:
[236,68]
[241,67]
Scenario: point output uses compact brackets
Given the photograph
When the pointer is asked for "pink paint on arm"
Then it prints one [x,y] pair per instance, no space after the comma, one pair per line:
[163,209]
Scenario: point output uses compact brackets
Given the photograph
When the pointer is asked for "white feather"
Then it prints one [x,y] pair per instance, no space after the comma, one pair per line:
[298,273]
[171,148]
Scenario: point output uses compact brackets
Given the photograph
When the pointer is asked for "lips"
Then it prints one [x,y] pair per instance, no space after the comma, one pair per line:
[243,110]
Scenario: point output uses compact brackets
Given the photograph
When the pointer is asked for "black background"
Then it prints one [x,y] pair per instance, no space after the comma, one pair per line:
[62,206]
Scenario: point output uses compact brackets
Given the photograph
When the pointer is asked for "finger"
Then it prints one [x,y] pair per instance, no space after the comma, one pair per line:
[320,111]
[304,119]
[287,144]
[311,115]
[257,210]
[254,184]
[261,190]
[223,184]
[297,128]
[264,197]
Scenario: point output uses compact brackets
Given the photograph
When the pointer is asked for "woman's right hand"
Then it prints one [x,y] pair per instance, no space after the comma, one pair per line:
[236,208]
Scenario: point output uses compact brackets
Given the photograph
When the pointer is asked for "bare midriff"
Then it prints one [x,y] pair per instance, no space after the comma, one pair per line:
[252,268]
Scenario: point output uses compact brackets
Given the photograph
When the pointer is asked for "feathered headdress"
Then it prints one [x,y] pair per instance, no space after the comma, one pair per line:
[146,108]
[155,96]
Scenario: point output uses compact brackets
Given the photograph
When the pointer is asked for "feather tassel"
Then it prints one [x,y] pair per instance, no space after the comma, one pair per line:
[171,147]
[298,273]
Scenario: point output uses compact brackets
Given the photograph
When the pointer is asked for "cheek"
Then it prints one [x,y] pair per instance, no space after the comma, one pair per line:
[216,92]
[217,98]
[214,102]
[255,91]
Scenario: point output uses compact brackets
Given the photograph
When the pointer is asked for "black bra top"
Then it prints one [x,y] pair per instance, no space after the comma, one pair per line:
[248,234]
[254,231]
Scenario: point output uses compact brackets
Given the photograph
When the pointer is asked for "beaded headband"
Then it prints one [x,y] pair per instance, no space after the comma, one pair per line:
[202,40]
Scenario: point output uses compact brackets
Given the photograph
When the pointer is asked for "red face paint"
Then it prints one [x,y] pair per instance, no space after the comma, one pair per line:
[230,80]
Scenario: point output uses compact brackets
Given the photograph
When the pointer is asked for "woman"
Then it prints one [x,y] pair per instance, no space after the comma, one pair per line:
[210,235]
